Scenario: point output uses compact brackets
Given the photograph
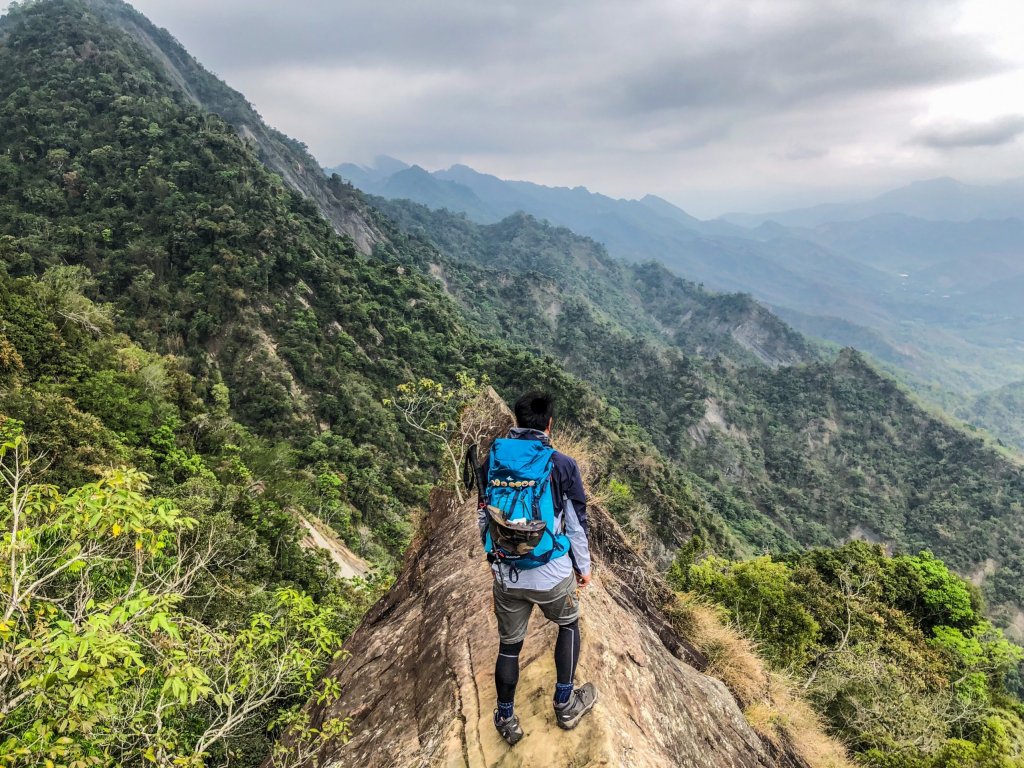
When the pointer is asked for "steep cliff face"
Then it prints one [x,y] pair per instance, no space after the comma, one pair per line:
[418,683]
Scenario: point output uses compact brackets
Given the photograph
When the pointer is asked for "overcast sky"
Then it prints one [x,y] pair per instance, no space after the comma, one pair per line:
[722,105]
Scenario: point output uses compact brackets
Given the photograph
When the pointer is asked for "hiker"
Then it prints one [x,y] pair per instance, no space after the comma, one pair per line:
[533,522]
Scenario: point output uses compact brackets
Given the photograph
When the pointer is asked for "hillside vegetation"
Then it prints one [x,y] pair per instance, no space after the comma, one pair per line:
[808,454]
[928,278]
[548,268]
[196,352]
[1001,412]
[893,652]
[200,358]
[208,257]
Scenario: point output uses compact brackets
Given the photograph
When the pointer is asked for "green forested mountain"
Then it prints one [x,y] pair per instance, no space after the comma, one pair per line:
[549,268]
[204,254]
[1001,412]
[203,338]
[284,155]
[937,301]
[826,450]
[171,306]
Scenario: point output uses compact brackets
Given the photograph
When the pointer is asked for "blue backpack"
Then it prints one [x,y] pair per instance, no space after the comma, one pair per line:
[522,527]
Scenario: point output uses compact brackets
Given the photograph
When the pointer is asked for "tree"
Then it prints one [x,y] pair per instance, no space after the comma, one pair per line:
[431,409]
[100,663]
[763,601]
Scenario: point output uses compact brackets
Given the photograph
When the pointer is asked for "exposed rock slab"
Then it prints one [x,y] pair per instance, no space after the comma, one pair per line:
[419,687]
[316,535]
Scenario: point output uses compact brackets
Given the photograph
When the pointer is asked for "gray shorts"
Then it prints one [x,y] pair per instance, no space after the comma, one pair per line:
[513,607]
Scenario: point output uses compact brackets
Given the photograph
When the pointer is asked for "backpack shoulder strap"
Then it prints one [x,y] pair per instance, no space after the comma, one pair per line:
[474,474]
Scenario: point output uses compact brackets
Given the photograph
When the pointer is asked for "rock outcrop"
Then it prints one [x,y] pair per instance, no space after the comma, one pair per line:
[318,536]
[418,683]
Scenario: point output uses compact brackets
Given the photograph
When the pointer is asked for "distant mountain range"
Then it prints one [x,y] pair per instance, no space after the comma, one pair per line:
[928,278]
[942,199]
[723,255]
[933,242]
[487,199]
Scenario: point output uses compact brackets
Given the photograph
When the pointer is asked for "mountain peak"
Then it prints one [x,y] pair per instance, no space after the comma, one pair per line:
[943,181]
[385,164]
[665,208]
[415,170]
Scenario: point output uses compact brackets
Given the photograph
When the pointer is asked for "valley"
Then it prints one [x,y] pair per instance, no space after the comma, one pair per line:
[235,392]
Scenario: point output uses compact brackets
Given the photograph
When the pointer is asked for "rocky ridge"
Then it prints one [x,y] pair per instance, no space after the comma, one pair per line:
[417,682]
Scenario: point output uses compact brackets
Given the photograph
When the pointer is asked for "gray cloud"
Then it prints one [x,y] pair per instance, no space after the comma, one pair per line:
[682,98]
[803,153]
[819,57]
[445,35]
[992,133]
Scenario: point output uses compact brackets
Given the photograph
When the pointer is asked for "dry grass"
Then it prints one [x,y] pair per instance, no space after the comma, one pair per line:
[770,702]
[592,461]
[572,443]
[788,720]
[642,534]
[731,657]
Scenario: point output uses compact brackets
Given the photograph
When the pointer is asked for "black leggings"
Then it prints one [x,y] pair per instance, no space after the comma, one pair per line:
[567,654]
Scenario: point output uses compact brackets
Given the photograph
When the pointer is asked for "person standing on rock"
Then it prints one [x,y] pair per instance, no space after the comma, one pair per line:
[533,523]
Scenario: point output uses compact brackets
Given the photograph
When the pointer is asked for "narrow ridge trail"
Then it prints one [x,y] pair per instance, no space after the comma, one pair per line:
[418,684]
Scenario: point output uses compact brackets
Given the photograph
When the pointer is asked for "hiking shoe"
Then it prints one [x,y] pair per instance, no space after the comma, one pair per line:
[509,728]
[582,701]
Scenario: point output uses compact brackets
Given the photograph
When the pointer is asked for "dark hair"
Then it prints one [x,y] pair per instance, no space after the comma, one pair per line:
[534,410]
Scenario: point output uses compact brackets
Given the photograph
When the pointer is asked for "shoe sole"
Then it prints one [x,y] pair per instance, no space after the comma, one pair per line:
[511,742]
[513,739]
[568,725]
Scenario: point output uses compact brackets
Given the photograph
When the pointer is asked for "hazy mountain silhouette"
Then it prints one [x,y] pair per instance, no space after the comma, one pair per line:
[942,199]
